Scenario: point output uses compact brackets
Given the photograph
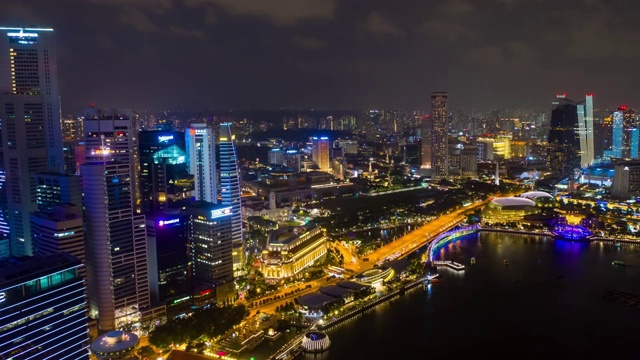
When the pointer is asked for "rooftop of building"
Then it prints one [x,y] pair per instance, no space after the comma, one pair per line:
[513,201]
[16,270]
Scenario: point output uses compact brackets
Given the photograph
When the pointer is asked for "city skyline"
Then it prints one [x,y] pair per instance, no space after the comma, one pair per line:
[334,54]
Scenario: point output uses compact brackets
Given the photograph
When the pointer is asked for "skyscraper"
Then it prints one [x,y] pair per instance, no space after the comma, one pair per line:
[30,115]
[44,311]
[230,190]
[211,244]
[115,246]
[425,151]
[164,178]
[439,136]
[320,152]
[616,133]
[201,161]
[585,130]
[564,153]
[113,135]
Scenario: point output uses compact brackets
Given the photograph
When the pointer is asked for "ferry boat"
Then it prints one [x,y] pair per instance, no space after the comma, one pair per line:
[506,262]
[618,263]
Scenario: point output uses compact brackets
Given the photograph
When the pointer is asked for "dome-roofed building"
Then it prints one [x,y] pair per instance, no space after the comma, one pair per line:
[115,345]
[541,198]
[509,209]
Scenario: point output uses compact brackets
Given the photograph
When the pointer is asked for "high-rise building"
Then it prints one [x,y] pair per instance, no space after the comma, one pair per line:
[585,131]
[469,161]
[72,135]
[626,179]
[112,135]
[201,161]
[320,153]
[44,311]
[439,136]
[31,130]
[164,178]
[211,245]
[230,192]
[59,230]
[115,246]
[564,140]
[426,131]
[167,238]
[53,189]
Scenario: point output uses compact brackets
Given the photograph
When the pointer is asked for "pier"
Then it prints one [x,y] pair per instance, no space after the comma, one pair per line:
[450,264]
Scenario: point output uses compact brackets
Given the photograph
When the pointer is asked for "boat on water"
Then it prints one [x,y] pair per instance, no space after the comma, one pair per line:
[506,262]
[618,263]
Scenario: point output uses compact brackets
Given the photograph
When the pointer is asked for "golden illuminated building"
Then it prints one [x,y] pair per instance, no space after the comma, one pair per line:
[292,249]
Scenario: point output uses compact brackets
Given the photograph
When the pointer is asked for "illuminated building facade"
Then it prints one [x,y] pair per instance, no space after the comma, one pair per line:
[44,311]
[115,246]
[112,135]
[59,230]
[211,246]
[564,153]
[626,178]
[164,178]
[585,131]
[31,129]
[320,152]
[629,133]
[230,190]
[439,136]
[201,162]
[291,250]
[53,189]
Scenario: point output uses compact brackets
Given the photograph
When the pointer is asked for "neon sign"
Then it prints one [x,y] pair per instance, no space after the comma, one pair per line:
[220,212]
[168,222]
[165,138]
[23,37]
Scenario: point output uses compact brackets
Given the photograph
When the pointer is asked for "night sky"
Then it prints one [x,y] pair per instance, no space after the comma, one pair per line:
[330,54]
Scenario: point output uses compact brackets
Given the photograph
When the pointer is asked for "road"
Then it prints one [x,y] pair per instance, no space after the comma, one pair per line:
[402,246]
[419,237]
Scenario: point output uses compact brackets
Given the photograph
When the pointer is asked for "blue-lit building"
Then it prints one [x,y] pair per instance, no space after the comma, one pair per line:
[43,309]
[164,178]
[230,194]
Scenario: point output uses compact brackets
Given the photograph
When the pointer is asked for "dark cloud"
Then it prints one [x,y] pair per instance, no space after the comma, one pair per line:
[308,43]
[164,54]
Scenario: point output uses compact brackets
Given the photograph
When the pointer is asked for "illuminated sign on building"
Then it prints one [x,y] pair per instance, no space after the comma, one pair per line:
[165,138]
[220,212]
[23,37]
[168,222]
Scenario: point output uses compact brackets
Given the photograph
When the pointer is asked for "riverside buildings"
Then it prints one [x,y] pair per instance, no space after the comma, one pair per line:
[31,129]
[291,250]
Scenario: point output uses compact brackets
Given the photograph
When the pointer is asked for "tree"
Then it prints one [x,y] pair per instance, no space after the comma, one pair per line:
[146,352]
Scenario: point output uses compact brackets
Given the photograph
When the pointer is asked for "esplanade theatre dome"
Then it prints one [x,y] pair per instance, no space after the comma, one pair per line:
[508,209]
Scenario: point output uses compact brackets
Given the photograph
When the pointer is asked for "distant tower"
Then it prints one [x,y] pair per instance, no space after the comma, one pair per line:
[497,172]
[320,152]
[440,136]
[564,153]
[230,190]
[201,161]
[272,201]
[370,166]
[585,130]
